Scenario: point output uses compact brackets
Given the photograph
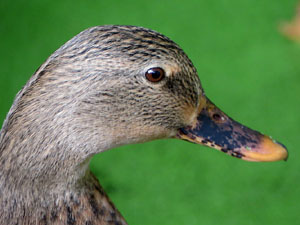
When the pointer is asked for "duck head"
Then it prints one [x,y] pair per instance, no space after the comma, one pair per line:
[113,85]
[141,86]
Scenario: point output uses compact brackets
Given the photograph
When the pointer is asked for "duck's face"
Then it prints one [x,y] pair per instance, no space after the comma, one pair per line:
[147,88]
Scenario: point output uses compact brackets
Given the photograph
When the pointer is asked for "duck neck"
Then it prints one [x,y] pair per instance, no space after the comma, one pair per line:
[49,179]
[44,159]
[84,202]
[40,172]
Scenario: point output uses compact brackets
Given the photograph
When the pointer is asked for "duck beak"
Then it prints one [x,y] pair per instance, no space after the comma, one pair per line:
[215,129]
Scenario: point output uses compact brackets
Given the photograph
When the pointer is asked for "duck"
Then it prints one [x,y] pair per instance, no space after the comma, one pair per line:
[108,86]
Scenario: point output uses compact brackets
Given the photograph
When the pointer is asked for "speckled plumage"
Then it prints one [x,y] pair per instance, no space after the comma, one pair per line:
[90,95]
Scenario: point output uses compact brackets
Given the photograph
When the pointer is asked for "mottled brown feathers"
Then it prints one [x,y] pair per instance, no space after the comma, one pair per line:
[86,206]
[89,96]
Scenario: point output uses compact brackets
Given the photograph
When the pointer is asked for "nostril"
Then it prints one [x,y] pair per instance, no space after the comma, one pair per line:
[217,117]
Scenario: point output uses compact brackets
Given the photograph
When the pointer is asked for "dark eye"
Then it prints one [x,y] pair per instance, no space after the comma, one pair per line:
[155,74]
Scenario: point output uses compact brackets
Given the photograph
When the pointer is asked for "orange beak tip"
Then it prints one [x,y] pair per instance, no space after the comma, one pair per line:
[267,151]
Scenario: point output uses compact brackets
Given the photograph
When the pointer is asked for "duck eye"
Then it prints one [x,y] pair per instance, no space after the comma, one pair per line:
[155,74]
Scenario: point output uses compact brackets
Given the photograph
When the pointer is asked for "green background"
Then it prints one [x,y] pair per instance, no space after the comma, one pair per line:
[246,67]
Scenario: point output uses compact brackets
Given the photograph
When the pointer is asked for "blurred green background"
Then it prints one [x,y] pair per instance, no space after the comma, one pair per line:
[246,67]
